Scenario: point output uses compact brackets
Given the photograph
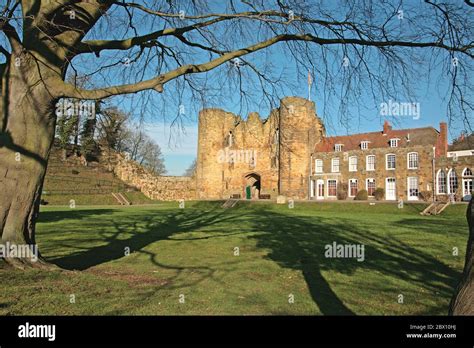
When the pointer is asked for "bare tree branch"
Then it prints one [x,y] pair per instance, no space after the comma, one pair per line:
[158,82]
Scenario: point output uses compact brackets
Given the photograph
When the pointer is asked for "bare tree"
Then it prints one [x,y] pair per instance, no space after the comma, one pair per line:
[172,47]
[111,129]
[191,170]
[144,150]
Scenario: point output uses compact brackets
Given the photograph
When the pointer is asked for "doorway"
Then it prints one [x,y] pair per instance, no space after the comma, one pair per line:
[390,189]
[320,189]
[467,189]
[467,184]
[412,183]
[252,186]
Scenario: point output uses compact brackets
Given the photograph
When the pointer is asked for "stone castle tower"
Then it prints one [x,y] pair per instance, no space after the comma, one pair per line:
[257,158]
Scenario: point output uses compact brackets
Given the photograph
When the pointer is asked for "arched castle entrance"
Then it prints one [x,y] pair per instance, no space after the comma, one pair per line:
[252,184]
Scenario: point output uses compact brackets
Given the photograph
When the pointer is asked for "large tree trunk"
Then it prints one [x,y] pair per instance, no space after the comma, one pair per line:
[31,82]
[463,301]
[26,135]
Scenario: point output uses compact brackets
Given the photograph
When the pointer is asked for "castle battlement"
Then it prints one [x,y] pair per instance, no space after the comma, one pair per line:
[276,151]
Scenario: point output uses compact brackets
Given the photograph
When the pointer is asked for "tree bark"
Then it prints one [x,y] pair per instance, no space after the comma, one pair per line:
[463,301]
[31,83]
[26,135]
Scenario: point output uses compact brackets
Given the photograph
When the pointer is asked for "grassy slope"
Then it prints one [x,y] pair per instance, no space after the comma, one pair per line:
[68,180]
[191,251]
[135,197]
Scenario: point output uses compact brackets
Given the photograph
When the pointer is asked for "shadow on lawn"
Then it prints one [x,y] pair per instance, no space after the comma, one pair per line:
[299,243]
[51,216]
[429,225]
[145,230]
[293,241]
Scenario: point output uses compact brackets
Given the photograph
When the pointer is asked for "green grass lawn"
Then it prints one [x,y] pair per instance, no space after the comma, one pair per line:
[191,252]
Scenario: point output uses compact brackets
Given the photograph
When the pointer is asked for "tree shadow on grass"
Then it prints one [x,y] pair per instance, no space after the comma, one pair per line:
[51,216]
[136,232]
[299,243]
[143,229]
[432,224]
[294,242]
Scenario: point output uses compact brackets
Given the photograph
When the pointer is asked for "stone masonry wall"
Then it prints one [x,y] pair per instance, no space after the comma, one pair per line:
[457,165]
[273,152]
[424,172]
[165,188]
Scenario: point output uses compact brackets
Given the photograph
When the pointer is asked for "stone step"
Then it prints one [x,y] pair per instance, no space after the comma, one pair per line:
[230,203]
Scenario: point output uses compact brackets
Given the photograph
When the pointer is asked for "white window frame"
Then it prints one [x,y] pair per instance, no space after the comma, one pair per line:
[450,171]
[367,163]
[349,188]
[338,147]
[353,164]
[394,142]
[438,192]
[413,198]
[467,180]
[333,165]
[367,185]
[417,160]
[394,161]
[327,187]
[319,181]
[316,166]
[394,180]
[364,145]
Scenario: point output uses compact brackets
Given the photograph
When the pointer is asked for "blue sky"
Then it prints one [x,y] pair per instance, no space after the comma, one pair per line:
[354,105]
[179,146]
[421,78]
[426,76]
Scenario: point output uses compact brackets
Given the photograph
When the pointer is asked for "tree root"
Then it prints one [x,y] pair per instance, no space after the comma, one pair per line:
[463,303]
[27,263]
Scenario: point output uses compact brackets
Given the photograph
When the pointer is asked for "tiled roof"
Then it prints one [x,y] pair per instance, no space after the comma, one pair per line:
[416,136]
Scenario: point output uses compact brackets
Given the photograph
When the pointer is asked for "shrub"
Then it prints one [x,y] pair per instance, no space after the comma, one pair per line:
[425,195]
[379,193]
[361,195]
[342,191]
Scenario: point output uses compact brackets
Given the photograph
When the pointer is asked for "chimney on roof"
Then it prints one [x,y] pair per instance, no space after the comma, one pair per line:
[386,127]
[442,144]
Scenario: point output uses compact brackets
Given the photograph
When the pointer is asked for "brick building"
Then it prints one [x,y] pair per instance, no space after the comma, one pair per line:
[403,162]
[288,154]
